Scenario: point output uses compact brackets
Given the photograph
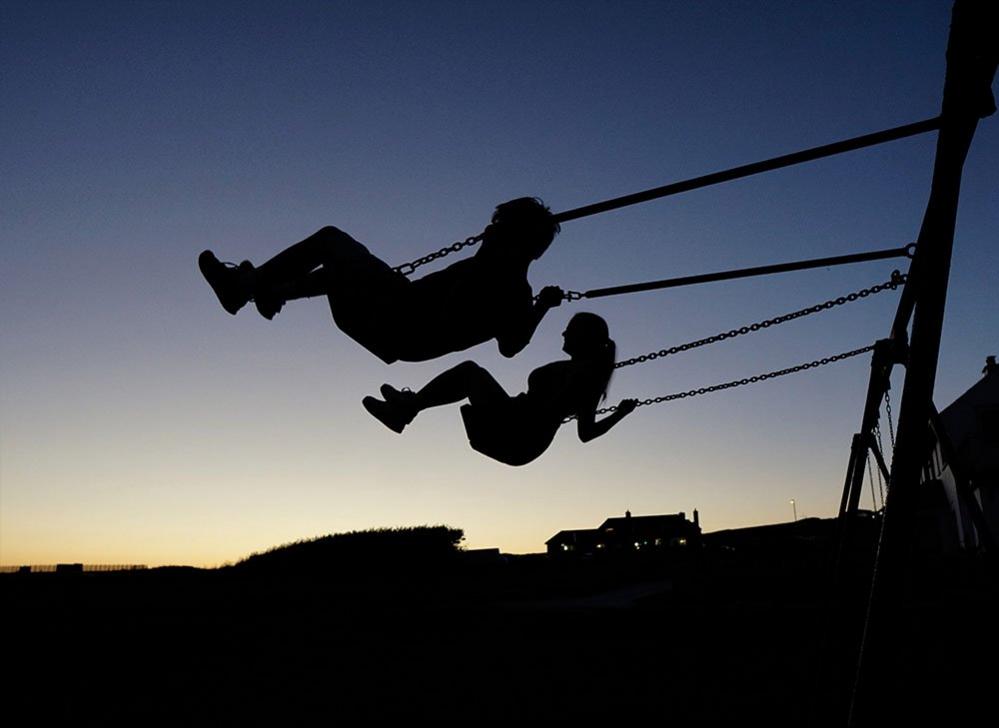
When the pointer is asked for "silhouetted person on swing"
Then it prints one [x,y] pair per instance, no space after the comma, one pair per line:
[471,301]
[516,430]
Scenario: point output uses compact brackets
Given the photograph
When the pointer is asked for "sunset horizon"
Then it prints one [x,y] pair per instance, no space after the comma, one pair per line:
[140,422]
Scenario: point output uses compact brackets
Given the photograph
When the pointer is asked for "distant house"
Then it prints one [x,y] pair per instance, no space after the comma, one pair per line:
[578,542]
[628,534]
[966,455]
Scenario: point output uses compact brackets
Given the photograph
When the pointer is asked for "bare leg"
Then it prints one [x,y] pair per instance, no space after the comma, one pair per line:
[465,381]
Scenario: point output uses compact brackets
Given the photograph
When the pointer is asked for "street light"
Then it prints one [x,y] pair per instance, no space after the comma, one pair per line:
[794,509]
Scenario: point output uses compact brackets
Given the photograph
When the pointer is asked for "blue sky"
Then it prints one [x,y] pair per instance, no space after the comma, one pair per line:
[141,423]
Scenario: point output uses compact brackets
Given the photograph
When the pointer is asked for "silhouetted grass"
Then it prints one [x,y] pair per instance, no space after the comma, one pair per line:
[393,625]
[357,554]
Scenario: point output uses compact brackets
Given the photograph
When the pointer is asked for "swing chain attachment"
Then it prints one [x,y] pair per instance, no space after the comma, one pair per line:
[747,380]
[896,280]
[408,268]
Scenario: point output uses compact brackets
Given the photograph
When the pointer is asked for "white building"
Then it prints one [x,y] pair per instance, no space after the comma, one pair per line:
[965,457]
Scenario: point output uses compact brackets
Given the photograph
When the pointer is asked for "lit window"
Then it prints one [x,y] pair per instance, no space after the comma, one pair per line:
[682,542]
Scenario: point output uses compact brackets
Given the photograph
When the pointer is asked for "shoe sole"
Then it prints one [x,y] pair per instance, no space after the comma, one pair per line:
[375,409]
[211,268]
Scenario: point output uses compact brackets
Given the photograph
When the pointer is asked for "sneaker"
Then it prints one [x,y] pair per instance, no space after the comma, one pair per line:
[389,415]
[404,399]
[229,281]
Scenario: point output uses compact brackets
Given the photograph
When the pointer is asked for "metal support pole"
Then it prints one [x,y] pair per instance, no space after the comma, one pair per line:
[855,454]
[886,354]
[786,160]
[972,56]
[879,457]
[971,66]
[906,251]
[906,302]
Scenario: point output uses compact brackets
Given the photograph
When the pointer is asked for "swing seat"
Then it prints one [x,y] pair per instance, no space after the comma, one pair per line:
[506,433]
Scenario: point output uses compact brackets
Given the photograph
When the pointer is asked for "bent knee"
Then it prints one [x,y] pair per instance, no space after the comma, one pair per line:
[337,247]
[330,233]
[473,374]
[471,369]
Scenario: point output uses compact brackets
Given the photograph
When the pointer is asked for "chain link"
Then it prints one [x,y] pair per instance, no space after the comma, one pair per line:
[896,280]
[881,448]
[870,479]
[408,268]
[891,427]
[740,382]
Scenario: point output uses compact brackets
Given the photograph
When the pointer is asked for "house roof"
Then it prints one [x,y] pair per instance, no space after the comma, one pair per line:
[637,524]
[574,533]
[672,519]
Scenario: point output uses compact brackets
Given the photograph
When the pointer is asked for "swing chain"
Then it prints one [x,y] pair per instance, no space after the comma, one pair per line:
[746,380]
[881,447]
[870,480]
[408,268]
[891,427]
[896,279]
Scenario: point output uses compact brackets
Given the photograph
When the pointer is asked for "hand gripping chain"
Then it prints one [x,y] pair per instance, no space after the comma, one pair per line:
[896,280]
[747,380]
[407,268]
[740,382]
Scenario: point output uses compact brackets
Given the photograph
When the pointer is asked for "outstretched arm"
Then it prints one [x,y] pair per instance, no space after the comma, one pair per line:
[513,342]
[589,427]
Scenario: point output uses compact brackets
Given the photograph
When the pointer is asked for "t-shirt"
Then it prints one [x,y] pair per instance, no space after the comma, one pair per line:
[466,304]
[519,429]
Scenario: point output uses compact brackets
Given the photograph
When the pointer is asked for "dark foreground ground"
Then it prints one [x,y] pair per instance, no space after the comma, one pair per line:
[709,639]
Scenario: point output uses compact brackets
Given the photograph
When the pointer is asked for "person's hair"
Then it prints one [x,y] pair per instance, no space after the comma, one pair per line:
[528,217]
[600,351]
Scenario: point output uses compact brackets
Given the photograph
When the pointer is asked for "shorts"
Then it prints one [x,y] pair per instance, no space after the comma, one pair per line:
[511,431]
[366,298]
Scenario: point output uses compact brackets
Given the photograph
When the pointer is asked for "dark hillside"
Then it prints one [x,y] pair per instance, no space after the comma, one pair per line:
[361,554]
[395,625]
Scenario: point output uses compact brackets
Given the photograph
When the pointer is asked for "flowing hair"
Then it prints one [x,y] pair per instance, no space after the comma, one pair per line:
[530,217]
[600,349]
[607,360]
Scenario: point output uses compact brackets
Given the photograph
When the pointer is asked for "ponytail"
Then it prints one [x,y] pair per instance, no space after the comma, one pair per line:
[596,349]
[608,356]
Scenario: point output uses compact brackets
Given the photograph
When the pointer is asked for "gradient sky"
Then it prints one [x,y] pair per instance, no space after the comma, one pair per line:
[140,423]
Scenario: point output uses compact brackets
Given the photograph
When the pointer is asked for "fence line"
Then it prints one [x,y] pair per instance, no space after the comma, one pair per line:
[53,568]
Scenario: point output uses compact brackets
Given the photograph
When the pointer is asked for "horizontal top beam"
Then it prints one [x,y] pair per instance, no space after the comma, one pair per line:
[760,270]
[786,160]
